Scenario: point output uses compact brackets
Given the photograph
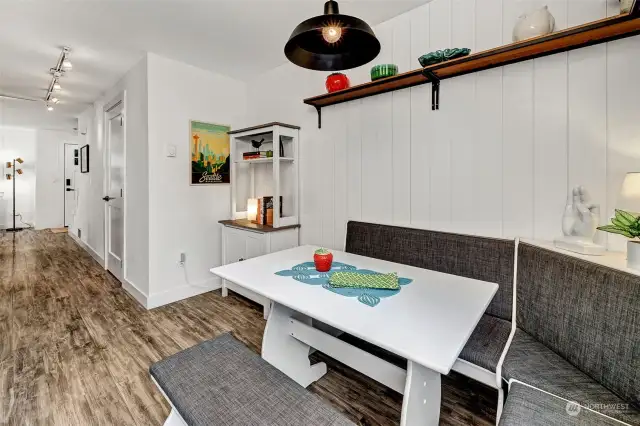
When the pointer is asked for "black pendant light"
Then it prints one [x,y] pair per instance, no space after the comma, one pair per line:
[332,42]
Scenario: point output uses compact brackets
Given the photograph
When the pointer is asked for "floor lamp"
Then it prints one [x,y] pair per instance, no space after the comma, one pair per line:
[13,177]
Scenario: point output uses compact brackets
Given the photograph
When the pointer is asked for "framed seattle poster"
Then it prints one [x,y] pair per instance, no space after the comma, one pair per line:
[209,153]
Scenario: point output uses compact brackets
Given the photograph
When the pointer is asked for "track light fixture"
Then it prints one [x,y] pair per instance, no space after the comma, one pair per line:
[63,65]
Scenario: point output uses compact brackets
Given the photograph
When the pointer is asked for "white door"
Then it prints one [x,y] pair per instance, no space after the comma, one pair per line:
[71,161]
[115,191]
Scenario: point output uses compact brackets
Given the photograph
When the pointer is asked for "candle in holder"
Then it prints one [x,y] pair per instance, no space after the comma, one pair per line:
[252,210]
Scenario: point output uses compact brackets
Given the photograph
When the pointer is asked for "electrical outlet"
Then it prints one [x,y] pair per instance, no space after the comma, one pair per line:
[183,259]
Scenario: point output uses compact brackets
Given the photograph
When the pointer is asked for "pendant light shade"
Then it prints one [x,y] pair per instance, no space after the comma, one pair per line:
[332,42]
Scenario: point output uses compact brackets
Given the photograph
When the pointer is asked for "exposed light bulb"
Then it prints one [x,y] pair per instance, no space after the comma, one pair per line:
[66,64]
[332,34]
[49,108]
[56,86]
[54,100]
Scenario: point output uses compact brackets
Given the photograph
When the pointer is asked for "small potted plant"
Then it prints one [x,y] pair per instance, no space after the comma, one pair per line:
[627,224]
[323,259]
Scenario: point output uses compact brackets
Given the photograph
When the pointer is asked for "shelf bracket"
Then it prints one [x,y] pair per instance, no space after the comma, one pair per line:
[435,89]
[319,110]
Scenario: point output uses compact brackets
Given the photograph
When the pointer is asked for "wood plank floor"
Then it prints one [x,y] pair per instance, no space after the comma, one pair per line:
[75,348]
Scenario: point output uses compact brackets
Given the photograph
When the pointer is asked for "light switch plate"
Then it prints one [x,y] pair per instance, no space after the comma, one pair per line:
[171,151]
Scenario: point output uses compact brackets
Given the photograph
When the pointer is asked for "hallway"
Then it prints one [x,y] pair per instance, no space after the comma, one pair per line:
[75,348]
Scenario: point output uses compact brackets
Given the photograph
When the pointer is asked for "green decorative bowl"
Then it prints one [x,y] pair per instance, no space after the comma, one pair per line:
[383,71]
[442,56]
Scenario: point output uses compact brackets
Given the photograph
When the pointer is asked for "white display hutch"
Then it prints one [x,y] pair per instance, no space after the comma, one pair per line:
[277,176]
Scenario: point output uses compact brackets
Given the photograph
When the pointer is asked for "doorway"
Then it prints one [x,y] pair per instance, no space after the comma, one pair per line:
[115,138]
[71,161]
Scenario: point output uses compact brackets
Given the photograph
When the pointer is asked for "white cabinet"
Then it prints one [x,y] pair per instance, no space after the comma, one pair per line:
[242,240]
[274,173]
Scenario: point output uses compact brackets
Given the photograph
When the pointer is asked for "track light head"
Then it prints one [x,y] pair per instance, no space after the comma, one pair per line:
[67,65]
[19,171]
[56,86]
[19,160]
[8,176]
[9,164]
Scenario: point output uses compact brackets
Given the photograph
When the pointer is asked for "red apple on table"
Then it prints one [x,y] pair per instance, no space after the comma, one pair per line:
[323,259]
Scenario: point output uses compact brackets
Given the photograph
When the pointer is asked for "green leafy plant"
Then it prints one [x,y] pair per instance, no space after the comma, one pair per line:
[624,223]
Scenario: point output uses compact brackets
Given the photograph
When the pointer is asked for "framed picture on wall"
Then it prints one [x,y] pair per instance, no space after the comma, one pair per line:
[209,153]
[84,159]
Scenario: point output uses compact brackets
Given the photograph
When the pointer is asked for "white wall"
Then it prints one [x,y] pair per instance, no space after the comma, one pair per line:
[18,142]
[184,218]
[499,156]
[91,186]
[50,177]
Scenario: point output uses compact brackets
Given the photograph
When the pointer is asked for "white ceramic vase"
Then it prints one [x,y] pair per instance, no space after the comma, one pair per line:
[533,24]
[633,254]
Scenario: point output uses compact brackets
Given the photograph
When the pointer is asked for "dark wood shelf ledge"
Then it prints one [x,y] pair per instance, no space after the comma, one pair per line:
[246,224]
[601,31]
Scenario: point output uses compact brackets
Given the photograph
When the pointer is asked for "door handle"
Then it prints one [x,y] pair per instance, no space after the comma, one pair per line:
[107,198]
[70,189]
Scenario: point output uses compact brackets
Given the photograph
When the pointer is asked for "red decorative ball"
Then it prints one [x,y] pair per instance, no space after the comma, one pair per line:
[323,262]
[337,81]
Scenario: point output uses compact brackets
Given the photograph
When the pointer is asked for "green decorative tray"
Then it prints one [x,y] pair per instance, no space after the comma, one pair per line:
[442,56]
[383,71]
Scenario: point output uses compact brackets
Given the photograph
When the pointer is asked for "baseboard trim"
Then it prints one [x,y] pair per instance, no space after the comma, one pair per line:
[183,292]
[87,248]
[136,293]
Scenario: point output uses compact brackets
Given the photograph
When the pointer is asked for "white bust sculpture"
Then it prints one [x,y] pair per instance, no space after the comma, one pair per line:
[579,223]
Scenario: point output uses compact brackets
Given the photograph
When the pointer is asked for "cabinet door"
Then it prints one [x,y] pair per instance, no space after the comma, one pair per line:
[241,245]
[255,245]
[234,246]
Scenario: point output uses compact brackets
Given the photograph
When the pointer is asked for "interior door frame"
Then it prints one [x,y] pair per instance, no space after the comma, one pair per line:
[118,100]
[65,146]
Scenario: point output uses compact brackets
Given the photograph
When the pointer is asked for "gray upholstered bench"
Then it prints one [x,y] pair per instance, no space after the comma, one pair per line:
[578,333]
[529,406]
[480,258]
[222,382]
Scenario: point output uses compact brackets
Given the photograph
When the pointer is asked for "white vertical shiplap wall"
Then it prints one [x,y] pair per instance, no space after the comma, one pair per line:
[499,156]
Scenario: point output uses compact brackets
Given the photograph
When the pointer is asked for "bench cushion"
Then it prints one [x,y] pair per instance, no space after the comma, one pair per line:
[587,313]
[531,362]
[487,342]
[527,406]
[222,382]
[481,258]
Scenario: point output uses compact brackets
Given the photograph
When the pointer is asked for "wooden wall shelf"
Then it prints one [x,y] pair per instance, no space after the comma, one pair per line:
[601,31]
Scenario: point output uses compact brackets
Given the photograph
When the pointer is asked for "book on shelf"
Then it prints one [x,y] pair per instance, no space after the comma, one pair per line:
[256,154]
[265,210]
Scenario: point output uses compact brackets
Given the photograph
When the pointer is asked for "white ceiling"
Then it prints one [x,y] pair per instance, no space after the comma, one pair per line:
[239,38]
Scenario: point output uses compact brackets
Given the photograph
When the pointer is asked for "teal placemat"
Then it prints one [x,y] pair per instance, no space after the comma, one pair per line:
[306,273]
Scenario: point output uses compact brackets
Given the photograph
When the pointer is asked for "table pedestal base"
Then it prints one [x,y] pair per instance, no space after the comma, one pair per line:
[422,393]
[286,353]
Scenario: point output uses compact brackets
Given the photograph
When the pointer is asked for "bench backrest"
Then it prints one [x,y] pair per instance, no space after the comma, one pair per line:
[486,259]
[585,312]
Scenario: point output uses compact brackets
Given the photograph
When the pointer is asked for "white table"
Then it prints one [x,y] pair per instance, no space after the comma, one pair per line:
[428,323]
